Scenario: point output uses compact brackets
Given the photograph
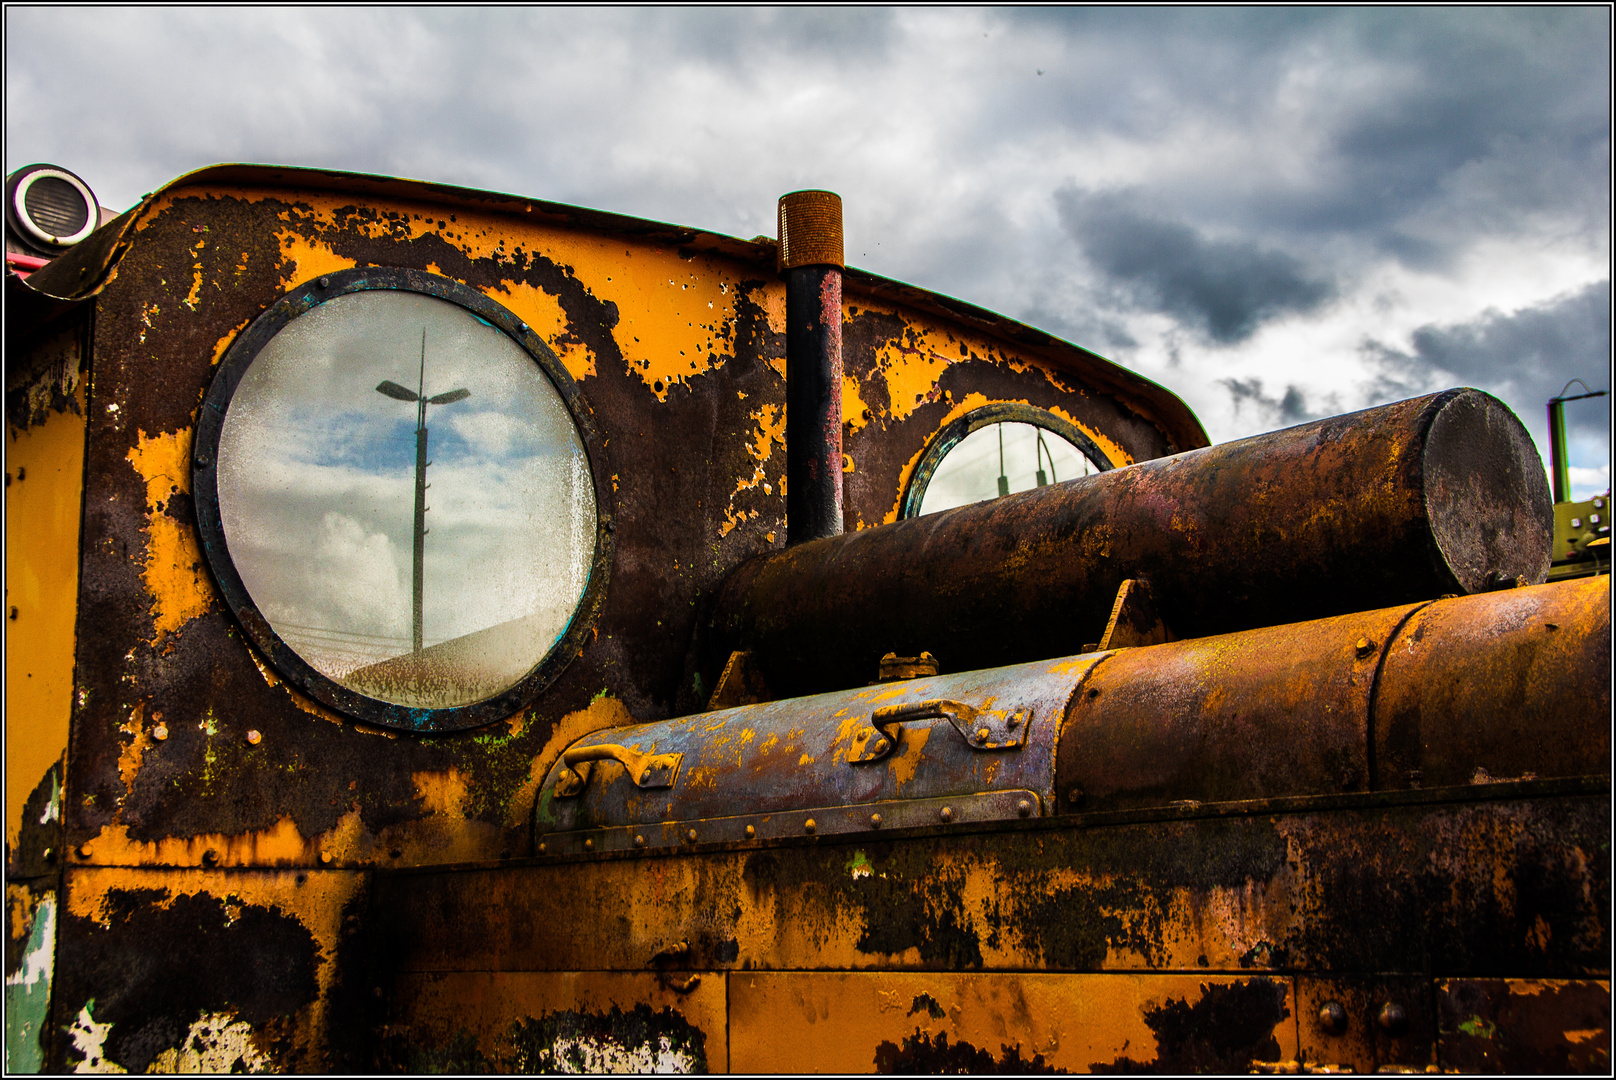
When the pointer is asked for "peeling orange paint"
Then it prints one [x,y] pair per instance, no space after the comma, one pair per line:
[855,414]
[603,712]
[303,259]
[42,582]
[174,576]
[911,750]
[542,312]
[129,761]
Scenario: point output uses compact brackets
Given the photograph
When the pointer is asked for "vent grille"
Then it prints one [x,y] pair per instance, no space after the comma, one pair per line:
[56,206]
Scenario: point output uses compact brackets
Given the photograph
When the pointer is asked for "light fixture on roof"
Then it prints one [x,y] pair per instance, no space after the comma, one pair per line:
[49,208]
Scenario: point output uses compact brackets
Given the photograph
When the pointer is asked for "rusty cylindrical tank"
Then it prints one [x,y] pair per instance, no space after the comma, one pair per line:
[1510,686]
[1404,502]
[1506,686]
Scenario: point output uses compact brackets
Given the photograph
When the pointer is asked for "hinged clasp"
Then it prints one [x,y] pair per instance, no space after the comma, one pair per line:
[983,729]
[646,770]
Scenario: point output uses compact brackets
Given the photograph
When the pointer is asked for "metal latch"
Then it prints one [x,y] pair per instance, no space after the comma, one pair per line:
[983,729]
[646,770]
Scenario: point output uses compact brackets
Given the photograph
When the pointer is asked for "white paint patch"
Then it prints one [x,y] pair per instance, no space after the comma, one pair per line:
[53,808]
[90,1039]
[584,1055]
[216,1043]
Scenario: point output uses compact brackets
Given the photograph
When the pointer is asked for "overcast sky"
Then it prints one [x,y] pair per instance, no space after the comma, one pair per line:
[1276,213]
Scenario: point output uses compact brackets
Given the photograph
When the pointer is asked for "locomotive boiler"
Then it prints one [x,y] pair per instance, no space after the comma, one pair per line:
[450,631]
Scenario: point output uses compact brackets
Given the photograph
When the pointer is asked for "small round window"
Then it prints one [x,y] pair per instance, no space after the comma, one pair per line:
[398,496]
[996,450]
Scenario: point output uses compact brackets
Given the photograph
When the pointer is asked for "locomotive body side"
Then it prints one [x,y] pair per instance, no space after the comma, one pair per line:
[238,874]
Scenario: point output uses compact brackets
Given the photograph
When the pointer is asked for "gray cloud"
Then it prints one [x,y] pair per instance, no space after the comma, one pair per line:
[1525,357]
[1224,288]
[1284,165]
[1284,411]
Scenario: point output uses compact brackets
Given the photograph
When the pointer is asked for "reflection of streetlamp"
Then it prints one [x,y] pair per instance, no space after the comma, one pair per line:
[393,390]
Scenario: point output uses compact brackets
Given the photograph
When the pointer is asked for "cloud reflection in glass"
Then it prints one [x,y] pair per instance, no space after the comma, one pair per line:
[318,481]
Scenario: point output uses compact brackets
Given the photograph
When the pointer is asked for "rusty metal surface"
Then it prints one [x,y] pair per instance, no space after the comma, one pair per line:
[1472,689]
[1495,886]
[1499,686]
[1283,710]
[1440,494]
[1524,1025]
[794,756]
[1010,1023]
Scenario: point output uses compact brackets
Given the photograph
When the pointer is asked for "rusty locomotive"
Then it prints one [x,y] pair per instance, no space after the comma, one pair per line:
[450,631]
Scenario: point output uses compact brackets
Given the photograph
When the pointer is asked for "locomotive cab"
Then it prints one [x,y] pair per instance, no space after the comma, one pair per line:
[454,631]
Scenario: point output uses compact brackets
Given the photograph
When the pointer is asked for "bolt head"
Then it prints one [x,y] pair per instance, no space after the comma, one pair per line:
[1392,1019]
[589,845]
[982,735]
[1332,1018]
[325,283]
[85,851]
[541,847]
[879,746]
[809,825]
[875,821]
[325,858]
[639,841]
[160,732]
[254,737]
[691,836]
[751,832]
[1024,808]
[948,813]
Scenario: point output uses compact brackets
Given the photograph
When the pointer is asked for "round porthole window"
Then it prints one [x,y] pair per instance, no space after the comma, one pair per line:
[996,450]
[398,489]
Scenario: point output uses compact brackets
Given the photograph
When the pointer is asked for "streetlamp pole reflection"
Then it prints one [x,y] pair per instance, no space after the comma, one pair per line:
[393,390]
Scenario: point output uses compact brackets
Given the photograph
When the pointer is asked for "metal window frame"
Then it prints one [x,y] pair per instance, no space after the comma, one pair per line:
[1003,412]
[204,485]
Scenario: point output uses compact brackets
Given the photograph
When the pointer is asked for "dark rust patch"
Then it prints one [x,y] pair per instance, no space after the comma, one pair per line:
[1507,1026]
[156,969]
[1231,1025]
[923,1053]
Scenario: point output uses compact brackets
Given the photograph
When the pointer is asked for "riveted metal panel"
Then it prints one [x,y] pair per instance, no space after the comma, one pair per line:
[789,757]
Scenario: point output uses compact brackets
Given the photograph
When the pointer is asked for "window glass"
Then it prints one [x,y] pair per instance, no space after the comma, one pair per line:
[998,459]
[321,458]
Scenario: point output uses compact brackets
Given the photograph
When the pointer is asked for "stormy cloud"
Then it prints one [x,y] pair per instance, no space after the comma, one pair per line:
[1223,288]
[1230,201]
[1529,355]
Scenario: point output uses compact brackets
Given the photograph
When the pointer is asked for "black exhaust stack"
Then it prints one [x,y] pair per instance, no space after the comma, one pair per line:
[811,262]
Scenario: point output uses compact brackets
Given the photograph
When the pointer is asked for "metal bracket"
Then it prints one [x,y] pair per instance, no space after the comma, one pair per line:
[983,729]
[646,770]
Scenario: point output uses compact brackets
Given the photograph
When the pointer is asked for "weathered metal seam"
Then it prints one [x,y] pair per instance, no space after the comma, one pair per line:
[1374,691]
[1501,791]
[1060,729]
